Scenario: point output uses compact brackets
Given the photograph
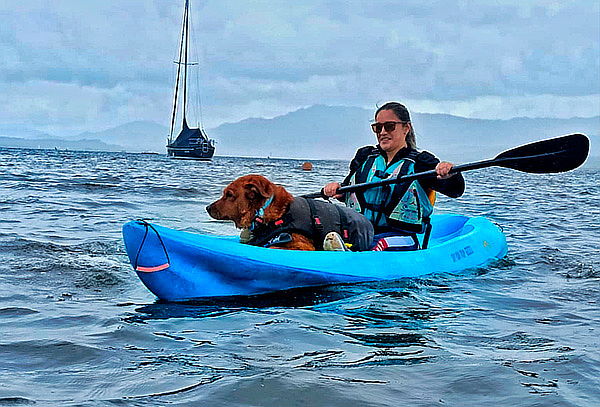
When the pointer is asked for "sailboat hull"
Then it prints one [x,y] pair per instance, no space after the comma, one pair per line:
[191,143]
[191,153]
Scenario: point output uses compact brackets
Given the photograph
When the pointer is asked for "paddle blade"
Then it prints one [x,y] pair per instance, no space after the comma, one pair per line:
[558,154]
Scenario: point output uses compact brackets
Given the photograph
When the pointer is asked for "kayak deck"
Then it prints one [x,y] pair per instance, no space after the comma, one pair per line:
[177,266]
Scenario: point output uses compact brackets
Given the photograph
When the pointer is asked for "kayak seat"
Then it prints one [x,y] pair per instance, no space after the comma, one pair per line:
[452,226]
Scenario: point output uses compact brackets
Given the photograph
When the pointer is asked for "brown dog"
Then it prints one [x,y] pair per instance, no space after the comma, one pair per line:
[244,198]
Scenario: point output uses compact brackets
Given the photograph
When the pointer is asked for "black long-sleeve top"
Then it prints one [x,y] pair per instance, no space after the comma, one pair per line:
[425,161]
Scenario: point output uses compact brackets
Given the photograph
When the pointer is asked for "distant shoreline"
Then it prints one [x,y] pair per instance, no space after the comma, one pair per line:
[593,162]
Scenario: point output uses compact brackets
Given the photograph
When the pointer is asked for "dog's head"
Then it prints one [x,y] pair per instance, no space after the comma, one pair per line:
[242,199]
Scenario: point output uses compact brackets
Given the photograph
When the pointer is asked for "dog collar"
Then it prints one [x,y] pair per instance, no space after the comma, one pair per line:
[258,218]
[261,212]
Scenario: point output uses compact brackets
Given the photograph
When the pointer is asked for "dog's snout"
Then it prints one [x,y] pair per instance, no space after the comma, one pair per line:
[210,208]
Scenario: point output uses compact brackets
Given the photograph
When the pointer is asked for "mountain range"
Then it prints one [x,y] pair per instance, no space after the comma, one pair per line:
[323,132]
[336,132]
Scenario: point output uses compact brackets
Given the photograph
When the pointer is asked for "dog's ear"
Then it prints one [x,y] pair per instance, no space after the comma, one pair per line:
[258,188]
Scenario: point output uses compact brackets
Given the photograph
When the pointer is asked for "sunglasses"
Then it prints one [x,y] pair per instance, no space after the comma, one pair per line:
[388,126]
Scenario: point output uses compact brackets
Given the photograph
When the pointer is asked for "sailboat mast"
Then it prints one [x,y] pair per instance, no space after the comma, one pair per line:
[191,143]
[185,65]
[176,92]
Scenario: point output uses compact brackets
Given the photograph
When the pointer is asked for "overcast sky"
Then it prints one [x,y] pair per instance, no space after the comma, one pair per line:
[74,65]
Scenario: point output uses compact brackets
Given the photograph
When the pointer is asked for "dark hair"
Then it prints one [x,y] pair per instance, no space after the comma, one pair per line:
[402,113]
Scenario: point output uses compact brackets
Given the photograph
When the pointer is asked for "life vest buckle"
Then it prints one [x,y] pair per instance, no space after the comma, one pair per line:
[281,238]
[381,174]
[318,223]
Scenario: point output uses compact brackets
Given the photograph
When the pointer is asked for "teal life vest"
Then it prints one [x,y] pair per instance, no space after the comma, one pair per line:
[405,206]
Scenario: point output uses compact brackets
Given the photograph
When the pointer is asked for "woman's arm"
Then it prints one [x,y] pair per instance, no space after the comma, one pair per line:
[454,186]
[359,158]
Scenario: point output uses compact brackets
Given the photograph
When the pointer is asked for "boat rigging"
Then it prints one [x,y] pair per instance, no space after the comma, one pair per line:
[191,142]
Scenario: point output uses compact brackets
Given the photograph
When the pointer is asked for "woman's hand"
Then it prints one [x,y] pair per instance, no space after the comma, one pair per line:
[443,170]
[331,189]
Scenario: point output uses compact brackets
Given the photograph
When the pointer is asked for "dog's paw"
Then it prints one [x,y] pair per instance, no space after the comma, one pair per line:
[245,235]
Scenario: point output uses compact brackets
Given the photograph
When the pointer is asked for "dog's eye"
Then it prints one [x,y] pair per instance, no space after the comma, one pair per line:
[229,195]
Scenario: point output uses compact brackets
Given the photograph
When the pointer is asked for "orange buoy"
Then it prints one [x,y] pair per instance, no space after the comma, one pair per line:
[307,166]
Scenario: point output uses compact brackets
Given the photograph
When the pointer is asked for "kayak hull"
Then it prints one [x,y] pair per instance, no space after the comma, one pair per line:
[179,266]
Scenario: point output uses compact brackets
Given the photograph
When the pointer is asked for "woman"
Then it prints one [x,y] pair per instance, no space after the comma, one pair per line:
[398,211]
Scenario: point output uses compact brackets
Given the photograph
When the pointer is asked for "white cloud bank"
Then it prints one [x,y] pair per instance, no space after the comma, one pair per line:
[71,65]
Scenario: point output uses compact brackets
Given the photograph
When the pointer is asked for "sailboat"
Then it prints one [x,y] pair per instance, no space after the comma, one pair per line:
[192,142]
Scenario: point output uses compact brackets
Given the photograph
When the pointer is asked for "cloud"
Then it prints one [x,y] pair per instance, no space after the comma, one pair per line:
[262,58]
[495,107]
[68,108]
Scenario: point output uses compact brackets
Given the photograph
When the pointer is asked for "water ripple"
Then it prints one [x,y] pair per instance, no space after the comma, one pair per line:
[79,328]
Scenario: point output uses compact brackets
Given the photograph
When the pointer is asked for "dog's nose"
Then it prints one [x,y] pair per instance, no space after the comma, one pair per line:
[209,208]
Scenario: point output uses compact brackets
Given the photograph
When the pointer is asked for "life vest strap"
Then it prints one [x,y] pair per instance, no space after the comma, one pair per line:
[316,222]
[427,223]
[344,225]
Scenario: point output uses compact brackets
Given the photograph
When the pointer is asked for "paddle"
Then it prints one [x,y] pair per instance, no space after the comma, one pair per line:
[554,155]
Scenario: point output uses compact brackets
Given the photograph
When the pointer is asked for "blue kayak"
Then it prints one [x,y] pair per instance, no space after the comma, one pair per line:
[179,266]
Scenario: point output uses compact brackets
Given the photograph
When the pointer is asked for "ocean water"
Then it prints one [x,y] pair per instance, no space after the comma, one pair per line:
[77,327]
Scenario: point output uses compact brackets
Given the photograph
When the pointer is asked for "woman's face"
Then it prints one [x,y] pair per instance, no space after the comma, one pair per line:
[393,141]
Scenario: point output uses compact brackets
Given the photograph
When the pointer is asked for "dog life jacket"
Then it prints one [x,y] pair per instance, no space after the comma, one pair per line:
[314,219]
[405,206]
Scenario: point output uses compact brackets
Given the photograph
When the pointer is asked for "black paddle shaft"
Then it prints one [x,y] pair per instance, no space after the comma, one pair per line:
[554,155]
[507,162]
